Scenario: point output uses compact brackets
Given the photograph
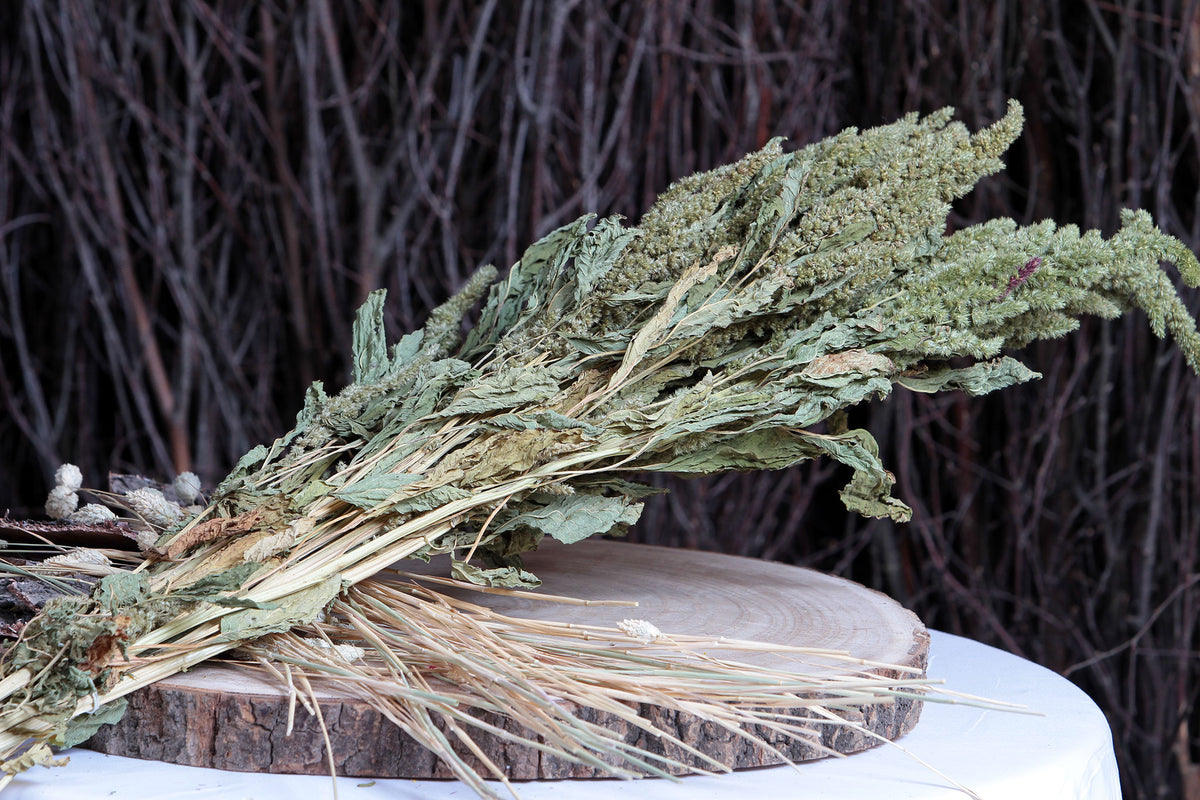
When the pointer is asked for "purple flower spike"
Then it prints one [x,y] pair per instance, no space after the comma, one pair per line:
[1022,275]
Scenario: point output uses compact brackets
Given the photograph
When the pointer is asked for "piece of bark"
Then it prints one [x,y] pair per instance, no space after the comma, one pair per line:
[117,535]
[20,600]
[222,716]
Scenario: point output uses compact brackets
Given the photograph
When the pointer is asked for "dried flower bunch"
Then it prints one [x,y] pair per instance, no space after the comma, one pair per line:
[728,330]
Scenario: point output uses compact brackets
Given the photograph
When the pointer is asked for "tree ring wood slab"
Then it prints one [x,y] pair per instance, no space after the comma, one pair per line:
[223,717]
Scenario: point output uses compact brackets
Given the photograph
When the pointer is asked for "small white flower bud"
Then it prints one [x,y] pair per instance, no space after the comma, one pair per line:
[61,502]
[639,629]
[187,486]
[150,505]
[92,514]
[68,475]
[146,540]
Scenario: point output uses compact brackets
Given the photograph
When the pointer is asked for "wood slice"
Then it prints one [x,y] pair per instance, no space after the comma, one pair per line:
[221,716]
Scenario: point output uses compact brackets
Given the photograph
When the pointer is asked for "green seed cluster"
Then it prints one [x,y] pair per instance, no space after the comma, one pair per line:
[750,303]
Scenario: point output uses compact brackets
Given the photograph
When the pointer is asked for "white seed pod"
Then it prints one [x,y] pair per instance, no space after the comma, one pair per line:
[150,505]
[187,486]
[92,514]
[79,557]
[68,475]
[639,629]
[61,502]
[146,540]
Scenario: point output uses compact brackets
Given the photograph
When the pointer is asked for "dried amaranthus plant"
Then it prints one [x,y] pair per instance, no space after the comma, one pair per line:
[726,331]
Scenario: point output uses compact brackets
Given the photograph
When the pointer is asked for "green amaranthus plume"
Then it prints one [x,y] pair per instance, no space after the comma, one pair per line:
[750,304]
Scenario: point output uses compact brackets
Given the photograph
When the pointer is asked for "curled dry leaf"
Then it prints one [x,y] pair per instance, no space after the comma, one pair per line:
[859,362]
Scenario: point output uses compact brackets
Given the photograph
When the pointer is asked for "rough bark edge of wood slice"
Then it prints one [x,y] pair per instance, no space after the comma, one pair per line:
[246,731]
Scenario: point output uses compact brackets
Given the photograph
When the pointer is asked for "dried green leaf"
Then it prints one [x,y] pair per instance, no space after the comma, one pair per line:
[598,253]
[498,577]
[850,234]
[405,351]
[428,500]
[245,466]
[724,309]
[300,608]
[507,389]
[777,213]
[375,489]
[310,492]
[572,518]
[121,590]
[634,491]
[81,728]
[654,332]
[870,489]
[229,580]
[829,369]
[547,420]
[370,354]
[977,379]
[509,300]
[771,448]
[595,345]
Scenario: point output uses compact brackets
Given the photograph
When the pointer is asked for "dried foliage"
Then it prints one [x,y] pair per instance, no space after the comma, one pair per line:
[193,199]
[751,303]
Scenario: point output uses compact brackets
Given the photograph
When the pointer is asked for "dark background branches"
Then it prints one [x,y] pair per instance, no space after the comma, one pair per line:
[194,196]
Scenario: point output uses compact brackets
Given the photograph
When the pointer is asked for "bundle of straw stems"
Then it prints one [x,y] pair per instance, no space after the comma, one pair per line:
[432,654]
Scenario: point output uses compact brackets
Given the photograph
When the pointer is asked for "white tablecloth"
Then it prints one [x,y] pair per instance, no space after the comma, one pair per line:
[1067,753]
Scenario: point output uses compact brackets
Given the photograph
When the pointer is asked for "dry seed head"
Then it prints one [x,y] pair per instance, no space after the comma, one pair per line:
[187,486]
[78,557]
[92,514]
[146,540]
[68,475]
[61,502]
[150,505]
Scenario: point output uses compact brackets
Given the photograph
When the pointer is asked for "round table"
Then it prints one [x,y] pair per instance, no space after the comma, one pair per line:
[1065,751]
